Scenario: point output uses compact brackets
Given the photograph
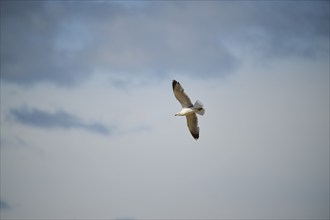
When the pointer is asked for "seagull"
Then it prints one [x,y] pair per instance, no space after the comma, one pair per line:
[188,109]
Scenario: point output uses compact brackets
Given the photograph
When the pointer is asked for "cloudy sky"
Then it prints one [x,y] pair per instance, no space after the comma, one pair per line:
[87,109]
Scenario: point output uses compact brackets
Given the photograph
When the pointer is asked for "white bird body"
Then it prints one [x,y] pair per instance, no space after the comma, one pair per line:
[185,111]
[188,109]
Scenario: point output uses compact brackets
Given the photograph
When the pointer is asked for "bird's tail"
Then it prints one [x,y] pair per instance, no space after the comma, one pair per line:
[198,108]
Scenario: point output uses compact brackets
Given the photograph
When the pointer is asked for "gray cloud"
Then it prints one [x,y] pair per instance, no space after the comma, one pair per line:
[65,42]
[288,28]
[4,205]
[59,119]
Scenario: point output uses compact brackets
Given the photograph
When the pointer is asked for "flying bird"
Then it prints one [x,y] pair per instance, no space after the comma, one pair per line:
[188,109]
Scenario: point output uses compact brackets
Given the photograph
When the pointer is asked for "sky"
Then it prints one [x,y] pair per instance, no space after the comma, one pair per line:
[87,109]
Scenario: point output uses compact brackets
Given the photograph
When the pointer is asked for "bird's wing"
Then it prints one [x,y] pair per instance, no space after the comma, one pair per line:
[180,95]
[192,123]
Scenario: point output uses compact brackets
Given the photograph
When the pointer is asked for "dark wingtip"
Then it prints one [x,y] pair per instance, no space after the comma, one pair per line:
[196,136]
[174,82]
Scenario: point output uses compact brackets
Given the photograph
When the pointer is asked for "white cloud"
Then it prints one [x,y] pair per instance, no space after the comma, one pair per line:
[263,151]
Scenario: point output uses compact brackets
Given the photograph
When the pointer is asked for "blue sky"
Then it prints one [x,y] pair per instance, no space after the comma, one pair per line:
[87,109]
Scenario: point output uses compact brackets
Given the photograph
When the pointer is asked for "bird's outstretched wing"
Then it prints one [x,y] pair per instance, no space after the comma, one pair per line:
[180,95]
[192,123]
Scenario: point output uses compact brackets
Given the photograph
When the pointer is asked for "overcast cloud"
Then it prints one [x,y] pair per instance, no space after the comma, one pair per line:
[59,119]
[87,109]
[65,42]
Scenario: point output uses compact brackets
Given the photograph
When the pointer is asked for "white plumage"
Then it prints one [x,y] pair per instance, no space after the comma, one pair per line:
[188,109]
